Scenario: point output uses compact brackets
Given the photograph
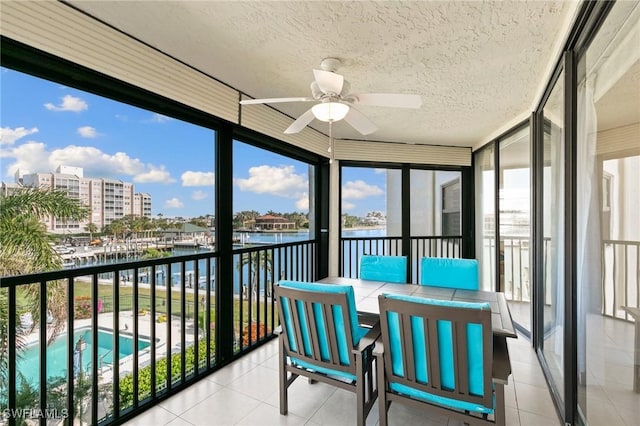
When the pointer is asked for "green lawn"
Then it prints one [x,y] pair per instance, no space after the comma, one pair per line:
[82,297]
[105,292]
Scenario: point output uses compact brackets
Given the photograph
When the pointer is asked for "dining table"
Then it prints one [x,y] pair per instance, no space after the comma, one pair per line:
[367,292]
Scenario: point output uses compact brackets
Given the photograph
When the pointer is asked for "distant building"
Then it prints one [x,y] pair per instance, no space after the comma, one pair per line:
[107,199]
[9,188]
[186,231]
[142,204]
[273,223]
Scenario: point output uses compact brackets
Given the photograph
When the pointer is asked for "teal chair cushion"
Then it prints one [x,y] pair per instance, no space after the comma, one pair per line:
[343,347]
[440,400]
[384,268]
[449,272]
[445,343]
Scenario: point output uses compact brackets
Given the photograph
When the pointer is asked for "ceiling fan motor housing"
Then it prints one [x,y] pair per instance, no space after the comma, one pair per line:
[317,93]
[330,64]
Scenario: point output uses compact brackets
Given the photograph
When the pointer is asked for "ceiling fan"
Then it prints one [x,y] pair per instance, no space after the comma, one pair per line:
[335,103]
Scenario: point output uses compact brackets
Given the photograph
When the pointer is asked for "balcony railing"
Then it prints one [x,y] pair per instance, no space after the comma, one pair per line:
[514,265]
[620,271]
[620,277]
[620,264]
[351,248]
[107,341]
[258,269]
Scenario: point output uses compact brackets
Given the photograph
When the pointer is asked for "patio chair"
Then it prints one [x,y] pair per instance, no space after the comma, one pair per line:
[383,268]
[441,356]
[450,272]
[320,339]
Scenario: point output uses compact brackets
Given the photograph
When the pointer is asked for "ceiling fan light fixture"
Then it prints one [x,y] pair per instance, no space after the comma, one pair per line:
[330,111]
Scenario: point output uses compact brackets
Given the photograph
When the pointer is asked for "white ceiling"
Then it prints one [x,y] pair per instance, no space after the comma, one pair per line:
[477,65]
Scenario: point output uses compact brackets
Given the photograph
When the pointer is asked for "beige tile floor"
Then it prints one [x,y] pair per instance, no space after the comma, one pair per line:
[246,393]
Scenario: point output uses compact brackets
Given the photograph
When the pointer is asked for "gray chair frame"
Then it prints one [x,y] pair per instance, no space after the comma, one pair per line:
[361,356]
[497,366]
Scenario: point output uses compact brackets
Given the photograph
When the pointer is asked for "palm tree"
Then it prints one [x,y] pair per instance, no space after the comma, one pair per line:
[118,228]
[91,228]
[25,248]
[258,262]
[24,242]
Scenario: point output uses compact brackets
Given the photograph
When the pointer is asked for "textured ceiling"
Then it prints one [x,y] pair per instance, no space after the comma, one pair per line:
[477,65]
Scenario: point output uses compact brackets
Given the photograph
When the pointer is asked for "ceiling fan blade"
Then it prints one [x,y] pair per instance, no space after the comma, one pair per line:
[329,82]
[274,100]
[300,123]
[396,100]
[358,121]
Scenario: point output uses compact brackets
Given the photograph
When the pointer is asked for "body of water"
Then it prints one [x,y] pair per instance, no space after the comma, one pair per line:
[28,364]
[258,239]
[245,240]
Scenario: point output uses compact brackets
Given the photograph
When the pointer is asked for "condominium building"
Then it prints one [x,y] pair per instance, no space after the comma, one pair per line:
[142,204]
[107,199]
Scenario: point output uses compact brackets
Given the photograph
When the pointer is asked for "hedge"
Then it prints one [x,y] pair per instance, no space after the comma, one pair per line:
[144,374]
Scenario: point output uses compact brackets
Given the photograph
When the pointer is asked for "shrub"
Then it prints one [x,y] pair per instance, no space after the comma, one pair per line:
[144,374]
[82,307]
[257,332]
[201,320]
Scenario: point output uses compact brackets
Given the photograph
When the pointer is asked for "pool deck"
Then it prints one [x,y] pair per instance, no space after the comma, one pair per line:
[126,318]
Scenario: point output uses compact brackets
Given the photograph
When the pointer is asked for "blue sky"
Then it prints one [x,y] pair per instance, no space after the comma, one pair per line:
[46,124]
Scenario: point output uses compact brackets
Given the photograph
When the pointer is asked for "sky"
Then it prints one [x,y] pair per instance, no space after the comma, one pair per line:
[44,125]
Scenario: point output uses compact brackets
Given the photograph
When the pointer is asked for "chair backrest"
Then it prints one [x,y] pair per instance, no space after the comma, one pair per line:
[383,268]
[450,272]
[320,323]
[438,349]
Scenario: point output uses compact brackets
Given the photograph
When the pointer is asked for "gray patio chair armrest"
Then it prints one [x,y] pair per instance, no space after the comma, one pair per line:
[501,362]
[378,350]
[369,339]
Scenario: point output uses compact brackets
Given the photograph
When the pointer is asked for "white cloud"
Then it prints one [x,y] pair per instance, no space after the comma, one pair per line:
[95,162]
[199,195]
[190,178]
[281,181]
[159,118]
[8,135]
[359,189]
[347,206]
[173,203]
[32,156]
[303,203]
[28,158]
[69,103]
[154,175]
[87,132]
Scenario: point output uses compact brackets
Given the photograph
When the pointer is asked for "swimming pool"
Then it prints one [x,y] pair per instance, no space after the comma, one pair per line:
[28,362]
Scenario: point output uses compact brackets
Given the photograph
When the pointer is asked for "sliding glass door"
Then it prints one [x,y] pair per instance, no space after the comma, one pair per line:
[514,201]
[607,225]
[553,232]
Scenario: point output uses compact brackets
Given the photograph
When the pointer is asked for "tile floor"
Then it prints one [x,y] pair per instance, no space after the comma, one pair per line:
[246,393]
